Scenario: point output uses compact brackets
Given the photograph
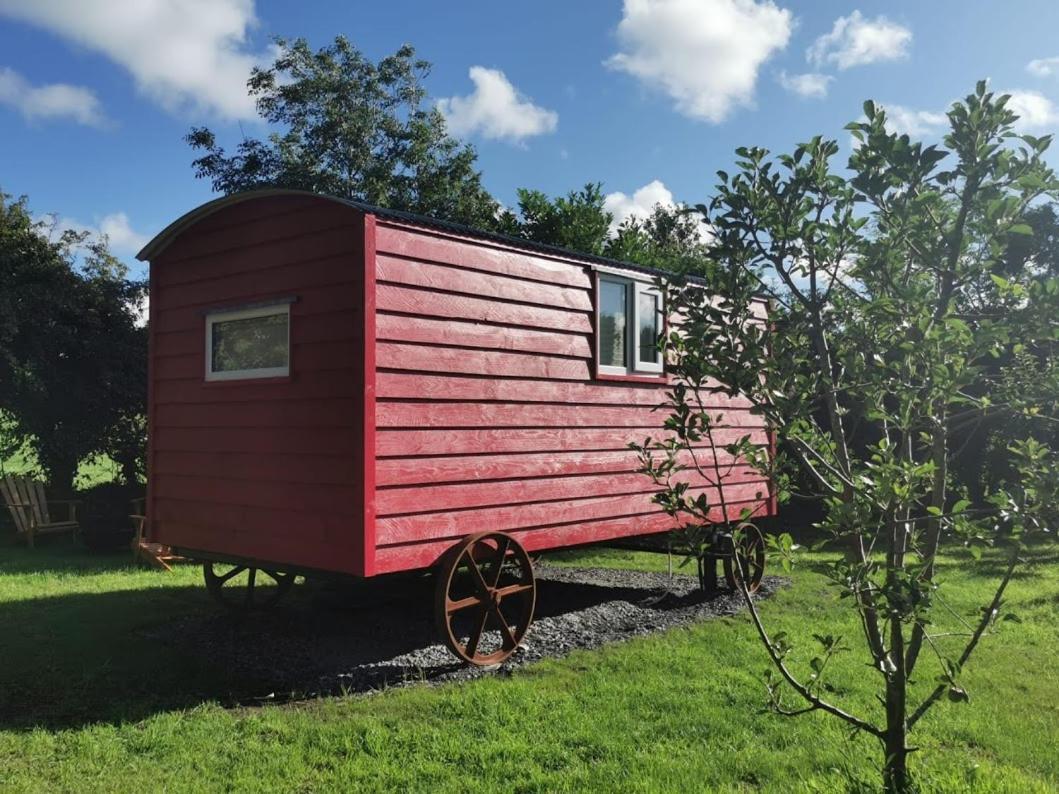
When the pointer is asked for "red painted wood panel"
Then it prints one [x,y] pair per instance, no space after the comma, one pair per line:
[302,497]
[742,484]
[312,299]
[407,443]
[300,441]
[268,227]
[520,517]
[366,543]
[269,414]
[308,385]
[275,208]
[484,466]
[410,300]
[423,555]
[258,466]
[426,246]
[297,538]
[474,415]
[262,469]
[400,328]
[491,363]
[304,358]
[308,248]
[486,285]
[442,387]
[486,419]
[326,327]
[286,276]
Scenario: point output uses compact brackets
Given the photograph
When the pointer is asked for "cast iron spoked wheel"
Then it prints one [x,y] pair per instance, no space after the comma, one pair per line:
[485,596]
[243,588]
[750,557]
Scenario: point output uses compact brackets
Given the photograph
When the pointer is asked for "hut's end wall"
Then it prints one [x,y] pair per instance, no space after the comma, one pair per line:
[271,470]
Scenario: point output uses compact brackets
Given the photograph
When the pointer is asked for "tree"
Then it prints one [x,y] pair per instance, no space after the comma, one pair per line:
[72,356]
[670,238]
[348,127]
[577,221]
[885,289]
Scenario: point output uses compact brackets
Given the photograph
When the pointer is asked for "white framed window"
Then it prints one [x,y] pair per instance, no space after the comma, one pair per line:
[629,320]
[248,343]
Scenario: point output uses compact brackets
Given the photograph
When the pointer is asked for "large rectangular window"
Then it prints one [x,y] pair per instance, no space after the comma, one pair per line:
[248,343]
[628,325]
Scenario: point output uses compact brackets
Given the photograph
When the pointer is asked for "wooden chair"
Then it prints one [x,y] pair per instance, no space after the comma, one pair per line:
[157,555]
[29,509]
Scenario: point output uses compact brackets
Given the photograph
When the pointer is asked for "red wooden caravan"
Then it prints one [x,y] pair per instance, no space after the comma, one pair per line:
[339,387]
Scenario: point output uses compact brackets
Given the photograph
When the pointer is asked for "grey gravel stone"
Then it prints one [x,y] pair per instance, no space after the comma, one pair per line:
[365,636]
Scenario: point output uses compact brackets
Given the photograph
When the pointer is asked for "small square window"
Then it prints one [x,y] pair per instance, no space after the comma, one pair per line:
[629,321]
[248,343]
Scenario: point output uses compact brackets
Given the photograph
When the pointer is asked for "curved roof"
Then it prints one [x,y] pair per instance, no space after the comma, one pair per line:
[162,240]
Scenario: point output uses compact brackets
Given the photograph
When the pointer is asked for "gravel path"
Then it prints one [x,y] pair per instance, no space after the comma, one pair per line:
[360,637]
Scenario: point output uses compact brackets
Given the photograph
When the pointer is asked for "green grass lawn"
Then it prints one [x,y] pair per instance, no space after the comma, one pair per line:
[89,702]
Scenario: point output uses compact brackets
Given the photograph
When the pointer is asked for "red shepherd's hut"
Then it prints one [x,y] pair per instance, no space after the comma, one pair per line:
[339,387]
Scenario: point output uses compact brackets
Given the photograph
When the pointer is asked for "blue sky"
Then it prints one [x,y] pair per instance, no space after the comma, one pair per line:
[649,97]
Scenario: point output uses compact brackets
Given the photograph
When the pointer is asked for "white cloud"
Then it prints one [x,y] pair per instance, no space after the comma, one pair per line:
[495,109]
[705,54]
[1036,112]
[51,101]
[639,205]
[182,54]
[810,85]
[1043,67]
[123,239]
[914,123]
[854,41]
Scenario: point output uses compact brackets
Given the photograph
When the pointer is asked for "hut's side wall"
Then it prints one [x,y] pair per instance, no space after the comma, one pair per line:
[488,416]
[262,469]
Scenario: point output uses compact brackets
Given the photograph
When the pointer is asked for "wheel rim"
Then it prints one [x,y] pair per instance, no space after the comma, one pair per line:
[239,587]
[747,560]
[485,597]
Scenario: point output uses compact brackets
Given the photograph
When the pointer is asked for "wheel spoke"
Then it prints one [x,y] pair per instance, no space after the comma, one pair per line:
[250,587]
[234,572]
[476,574]
[505,629]
[476,635]
[452,607]
[512,589]
[501,555]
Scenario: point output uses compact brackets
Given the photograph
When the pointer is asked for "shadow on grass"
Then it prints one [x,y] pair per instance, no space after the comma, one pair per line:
[121,655]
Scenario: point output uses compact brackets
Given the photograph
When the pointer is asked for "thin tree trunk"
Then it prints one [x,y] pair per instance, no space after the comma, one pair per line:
[895,770]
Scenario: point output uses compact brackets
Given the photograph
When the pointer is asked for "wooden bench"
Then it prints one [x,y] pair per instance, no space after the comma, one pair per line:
[29,509]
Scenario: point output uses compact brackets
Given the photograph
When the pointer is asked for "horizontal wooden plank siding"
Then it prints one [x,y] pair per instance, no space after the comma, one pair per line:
[488,416]
[263,470]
